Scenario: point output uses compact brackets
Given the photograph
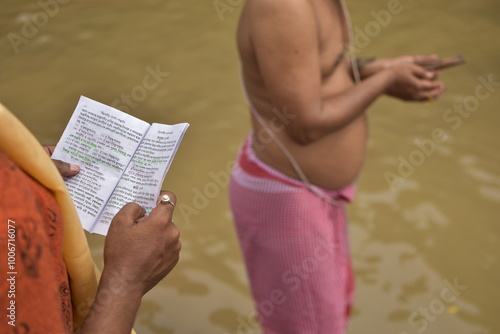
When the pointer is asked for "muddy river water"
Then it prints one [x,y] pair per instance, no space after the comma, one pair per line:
[424,224]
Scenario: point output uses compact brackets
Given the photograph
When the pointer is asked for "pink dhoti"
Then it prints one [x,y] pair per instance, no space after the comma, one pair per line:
[295,246]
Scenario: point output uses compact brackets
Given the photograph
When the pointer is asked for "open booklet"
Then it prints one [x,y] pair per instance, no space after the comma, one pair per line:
[122,159]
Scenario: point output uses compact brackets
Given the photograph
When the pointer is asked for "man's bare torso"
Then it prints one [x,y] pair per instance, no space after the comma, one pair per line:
[334,160]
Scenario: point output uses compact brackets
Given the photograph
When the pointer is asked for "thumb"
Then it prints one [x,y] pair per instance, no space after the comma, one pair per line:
[66,169]
[164,210]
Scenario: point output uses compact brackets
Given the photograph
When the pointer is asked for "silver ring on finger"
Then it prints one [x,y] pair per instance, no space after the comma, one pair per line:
[165,199]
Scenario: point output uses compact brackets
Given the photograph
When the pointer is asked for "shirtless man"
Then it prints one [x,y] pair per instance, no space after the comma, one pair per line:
[303,97]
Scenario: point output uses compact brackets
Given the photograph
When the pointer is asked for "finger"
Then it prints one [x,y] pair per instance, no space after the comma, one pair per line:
[49,149]
[129,214]
[431,75]
[427,85]
[436,74]
[423,73]
[426,60]
[66,169]
[433,94]
[163,210]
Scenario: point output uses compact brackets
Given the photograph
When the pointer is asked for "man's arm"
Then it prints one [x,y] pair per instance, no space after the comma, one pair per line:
[139,251]
[285,38]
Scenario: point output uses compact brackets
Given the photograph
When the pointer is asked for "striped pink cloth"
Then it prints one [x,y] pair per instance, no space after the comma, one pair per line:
[295,247]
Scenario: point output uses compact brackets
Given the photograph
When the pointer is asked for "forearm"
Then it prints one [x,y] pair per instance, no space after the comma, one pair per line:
[339,110]
[114,308]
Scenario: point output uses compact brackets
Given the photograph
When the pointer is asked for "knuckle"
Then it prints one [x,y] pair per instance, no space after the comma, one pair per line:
[172,233]
[176,234]
[133,205]
[176,260]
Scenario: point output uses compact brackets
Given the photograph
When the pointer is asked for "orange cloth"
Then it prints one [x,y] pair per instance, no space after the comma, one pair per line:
[22,148]
[25,152]
[39,288]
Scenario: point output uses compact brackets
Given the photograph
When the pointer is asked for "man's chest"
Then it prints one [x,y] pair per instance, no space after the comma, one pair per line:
[331,33]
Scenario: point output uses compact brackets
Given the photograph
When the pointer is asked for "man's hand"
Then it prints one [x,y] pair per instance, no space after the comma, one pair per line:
[64,168]
[143,249]
[413,83]
[411,76]
[138,252]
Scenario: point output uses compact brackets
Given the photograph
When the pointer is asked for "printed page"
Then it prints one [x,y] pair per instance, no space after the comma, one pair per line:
[142,181]
[101,140]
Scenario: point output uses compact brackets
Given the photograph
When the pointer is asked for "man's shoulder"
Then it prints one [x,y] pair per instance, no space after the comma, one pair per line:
[279,8]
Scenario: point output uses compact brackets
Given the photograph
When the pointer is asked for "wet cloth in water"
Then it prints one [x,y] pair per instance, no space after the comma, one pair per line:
[295,248]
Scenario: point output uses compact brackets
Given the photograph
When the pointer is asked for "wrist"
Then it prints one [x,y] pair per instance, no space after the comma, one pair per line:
[115,306]
[382,81]
[387,79]
[116,281]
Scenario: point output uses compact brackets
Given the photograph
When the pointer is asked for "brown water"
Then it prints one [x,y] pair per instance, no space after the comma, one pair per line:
[438,224]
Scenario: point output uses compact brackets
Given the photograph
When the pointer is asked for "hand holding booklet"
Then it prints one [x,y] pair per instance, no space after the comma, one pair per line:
[122,159]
